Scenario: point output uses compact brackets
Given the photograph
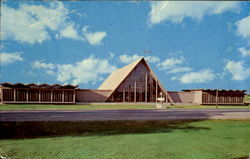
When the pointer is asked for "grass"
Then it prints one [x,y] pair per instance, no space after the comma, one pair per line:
[211,139]
[208,106]
[95,107]
[71,107]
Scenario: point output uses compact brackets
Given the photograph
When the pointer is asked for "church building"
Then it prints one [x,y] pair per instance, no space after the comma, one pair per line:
[133,83]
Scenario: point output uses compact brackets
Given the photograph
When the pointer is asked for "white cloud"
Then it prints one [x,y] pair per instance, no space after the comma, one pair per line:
[131,58]
[174,78]
[69,32]
[88,70]
[30,23]
[203,76]
[173,65]
[237,69]
[111,55]
[64,72]
[170,63]
[243,26]
[7,58]
[39,64]
[152,59]
[244,51]
[50,72]
[176,11]
[128,59]
[94,38]
[243,30]
[180,69]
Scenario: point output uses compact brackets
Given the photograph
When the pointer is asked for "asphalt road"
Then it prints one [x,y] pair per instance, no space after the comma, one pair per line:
[102,115]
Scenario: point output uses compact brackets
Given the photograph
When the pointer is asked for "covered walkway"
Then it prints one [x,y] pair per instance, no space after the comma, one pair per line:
[35,93]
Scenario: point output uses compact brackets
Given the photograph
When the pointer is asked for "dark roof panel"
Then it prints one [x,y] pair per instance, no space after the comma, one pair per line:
[32,85]
[188,90]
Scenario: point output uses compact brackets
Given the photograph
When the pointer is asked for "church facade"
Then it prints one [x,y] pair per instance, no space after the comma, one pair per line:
[135,82]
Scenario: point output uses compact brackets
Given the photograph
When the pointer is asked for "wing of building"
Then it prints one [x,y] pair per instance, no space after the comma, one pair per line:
[37,93]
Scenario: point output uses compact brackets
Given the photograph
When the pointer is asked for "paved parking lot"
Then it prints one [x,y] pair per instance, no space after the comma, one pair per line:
[102,115]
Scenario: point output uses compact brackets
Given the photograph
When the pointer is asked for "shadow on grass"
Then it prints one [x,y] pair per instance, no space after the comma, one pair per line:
[19,130]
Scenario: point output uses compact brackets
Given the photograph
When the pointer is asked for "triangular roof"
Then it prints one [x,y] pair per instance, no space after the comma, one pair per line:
[117,77]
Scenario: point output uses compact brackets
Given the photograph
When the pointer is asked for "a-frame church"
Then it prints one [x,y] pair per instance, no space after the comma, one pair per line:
[135,82]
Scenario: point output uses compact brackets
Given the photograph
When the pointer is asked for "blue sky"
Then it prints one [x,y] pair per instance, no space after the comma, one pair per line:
[191,44]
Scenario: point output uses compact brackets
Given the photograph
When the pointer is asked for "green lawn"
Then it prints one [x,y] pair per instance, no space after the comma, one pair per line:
[208,106]
[71,107]
[212,139]
[78,107]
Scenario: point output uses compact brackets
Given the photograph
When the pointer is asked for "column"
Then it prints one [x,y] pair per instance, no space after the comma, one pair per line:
[156,90]
[129,94]
[146,87]
[63,96]
[135,91]
[27,95]
[2,95]
[216,98]
[223,98]
[14,95]
[39,97]
[208,98]
[51,96]
[74,96]
[123,97]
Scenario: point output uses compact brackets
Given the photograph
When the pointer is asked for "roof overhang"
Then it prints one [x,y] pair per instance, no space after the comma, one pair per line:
[33,85]
[224,90]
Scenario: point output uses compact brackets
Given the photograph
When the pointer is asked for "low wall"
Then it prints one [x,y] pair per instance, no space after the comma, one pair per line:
[91,95]
[186,97]
[182,97]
